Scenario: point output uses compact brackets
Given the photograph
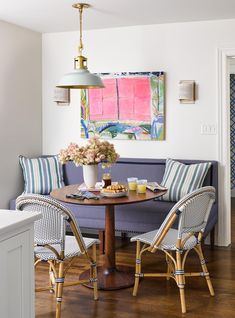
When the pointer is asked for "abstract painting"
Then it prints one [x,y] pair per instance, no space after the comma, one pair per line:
[131,106]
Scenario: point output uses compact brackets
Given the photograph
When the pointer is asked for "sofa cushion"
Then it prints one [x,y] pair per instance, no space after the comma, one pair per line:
[41,175]
[181,179]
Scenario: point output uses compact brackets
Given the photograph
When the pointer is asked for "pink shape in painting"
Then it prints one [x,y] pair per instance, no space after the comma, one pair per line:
[134,98]
[126,108]
[103,102]
[122,98]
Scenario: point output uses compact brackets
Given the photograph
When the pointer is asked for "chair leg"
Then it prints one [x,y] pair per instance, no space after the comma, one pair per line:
[168,267]
[51,280]
[137,269]
[180,279]
[204,269]
[59,289]
[102,241]
[182,300]
[94,272]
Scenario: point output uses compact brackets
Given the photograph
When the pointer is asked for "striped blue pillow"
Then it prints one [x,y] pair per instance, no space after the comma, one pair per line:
[181,179]
[41,175]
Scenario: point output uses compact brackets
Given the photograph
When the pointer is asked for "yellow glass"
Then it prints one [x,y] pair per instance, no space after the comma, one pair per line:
[132,184]
[141,186]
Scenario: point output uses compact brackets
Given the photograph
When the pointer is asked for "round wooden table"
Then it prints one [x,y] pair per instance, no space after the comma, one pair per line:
[110,276]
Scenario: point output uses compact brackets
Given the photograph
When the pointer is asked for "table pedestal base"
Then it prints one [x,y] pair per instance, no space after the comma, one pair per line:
[112,279]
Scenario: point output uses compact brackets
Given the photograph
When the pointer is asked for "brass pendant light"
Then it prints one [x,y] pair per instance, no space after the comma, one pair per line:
[80,77]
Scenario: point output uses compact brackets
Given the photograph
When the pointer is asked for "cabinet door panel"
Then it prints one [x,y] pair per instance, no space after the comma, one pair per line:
[17,285]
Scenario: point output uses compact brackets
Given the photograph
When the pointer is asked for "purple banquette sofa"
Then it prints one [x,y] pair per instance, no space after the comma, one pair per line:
[139,217]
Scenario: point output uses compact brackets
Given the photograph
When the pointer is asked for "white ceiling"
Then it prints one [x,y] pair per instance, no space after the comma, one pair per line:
[58,15]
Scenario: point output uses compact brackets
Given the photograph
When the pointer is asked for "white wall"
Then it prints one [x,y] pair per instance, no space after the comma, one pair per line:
[20,104]
[182,50]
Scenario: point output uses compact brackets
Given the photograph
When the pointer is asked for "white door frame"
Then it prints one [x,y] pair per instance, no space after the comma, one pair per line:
[223,146]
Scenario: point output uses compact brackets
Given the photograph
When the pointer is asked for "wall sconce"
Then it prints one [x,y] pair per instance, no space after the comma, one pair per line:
[187,92]
[62,96]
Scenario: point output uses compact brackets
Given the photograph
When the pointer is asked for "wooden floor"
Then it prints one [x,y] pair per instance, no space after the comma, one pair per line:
[157,298]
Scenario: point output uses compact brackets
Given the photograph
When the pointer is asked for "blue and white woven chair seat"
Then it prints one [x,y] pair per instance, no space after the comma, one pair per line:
[168,242]
[71,248]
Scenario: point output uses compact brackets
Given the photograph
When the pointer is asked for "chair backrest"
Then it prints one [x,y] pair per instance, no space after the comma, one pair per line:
[51,228]
[192,210]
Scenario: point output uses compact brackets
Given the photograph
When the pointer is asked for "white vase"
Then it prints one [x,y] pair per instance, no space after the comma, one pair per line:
[90,175]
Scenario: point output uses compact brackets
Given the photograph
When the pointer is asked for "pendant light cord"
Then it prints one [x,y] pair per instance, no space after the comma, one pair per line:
[80,17]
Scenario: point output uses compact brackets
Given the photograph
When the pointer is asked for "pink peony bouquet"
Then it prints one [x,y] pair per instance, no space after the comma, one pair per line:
[96,151]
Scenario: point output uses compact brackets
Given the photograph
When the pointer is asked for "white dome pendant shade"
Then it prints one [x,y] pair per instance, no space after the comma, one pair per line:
[80,77]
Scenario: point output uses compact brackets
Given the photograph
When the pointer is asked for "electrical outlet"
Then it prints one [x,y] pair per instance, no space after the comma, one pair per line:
[208,129]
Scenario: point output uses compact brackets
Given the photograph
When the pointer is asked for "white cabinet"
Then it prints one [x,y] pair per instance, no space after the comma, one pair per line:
[16,264]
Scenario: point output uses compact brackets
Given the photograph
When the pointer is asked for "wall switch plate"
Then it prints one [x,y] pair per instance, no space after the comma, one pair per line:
[208,129]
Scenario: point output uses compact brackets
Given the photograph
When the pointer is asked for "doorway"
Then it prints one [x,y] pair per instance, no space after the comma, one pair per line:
[231,87]
[223,146]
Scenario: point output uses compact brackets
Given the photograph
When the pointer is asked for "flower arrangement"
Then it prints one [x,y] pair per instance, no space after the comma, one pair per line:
[94,152]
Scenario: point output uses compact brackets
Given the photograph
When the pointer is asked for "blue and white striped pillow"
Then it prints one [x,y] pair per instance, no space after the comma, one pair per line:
[181,179]
[41,175]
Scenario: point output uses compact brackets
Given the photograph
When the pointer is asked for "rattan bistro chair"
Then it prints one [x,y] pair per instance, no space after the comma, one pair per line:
[52,245]
[193,211]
